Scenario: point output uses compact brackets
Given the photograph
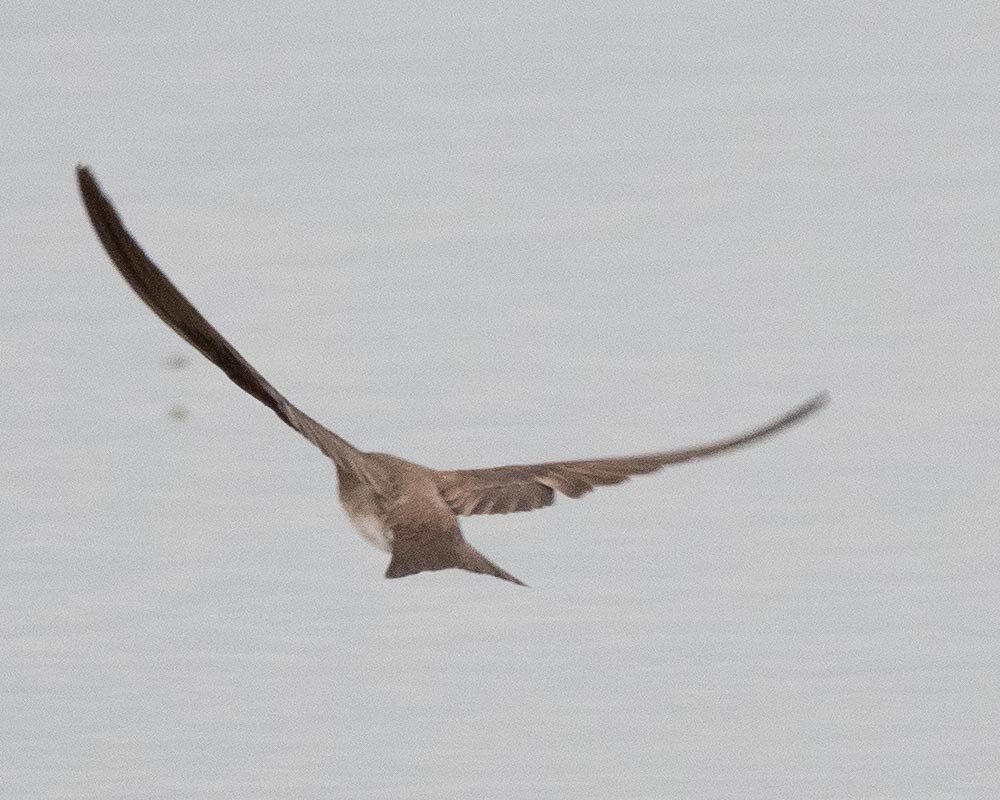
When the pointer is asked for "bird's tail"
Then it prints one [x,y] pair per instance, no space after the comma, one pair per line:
[411,560]
[476,562]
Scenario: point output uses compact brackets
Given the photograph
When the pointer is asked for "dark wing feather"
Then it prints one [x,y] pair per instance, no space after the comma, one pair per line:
[166,301]
[525,487]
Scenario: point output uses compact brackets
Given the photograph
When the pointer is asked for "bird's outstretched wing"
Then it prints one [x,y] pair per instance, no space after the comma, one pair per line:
[525,487]
[166,301]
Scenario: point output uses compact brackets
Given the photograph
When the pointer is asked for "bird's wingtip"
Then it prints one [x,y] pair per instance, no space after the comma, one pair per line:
[820,399]
[84,177]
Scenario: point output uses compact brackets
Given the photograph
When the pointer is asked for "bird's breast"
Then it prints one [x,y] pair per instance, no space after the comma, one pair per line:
[372,529]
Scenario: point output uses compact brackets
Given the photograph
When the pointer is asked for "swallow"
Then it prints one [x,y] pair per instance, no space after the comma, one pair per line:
[406,509]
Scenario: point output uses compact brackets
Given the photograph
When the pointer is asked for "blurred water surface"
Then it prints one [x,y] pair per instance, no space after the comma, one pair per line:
[473,235]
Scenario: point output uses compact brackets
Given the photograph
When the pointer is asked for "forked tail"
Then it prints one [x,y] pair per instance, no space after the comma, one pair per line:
[411,560]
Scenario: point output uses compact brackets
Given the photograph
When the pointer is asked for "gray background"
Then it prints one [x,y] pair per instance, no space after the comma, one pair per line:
[473,234]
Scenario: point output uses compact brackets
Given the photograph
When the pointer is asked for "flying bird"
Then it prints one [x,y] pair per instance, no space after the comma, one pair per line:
[408,510]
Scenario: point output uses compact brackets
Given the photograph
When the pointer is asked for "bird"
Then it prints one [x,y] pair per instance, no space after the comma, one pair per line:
[406,509]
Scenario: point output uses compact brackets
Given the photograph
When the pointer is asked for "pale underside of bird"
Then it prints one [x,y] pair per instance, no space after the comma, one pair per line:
[409,510]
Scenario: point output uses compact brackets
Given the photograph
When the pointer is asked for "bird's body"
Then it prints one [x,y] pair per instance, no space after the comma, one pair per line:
[372,529]
[408,510]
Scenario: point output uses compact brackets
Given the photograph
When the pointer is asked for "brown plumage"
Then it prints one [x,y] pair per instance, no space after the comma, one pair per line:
[404,508]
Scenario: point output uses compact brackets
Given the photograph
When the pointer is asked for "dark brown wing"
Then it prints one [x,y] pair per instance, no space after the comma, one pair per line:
[501,490]
[172,307]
